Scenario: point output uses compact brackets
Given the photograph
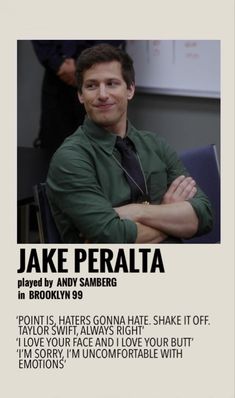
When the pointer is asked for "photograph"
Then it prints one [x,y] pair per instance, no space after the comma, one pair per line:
[115,126]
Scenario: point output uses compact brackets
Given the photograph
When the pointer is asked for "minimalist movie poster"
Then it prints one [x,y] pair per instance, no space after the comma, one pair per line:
[118,320]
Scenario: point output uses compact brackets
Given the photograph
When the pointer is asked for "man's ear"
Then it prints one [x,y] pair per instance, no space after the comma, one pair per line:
[80,97]
[131,91]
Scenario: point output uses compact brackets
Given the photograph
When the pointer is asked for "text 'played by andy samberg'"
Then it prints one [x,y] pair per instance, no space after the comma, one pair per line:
[53,342]
[103,261]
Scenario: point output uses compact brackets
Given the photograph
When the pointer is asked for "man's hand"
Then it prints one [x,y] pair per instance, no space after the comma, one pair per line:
[67,71]
[181,189]
[174,216]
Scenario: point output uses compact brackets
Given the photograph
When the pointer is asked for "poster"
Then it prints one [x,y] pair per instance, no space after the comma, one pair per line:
[183,317]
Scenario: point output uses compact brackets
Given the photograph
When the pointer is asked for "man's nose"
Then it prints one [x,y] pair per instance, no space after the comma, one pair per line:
[103,93]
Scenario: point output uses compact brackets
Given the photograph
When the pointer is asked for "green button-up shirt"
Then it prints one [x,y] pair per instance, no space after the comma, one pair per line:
[85,181]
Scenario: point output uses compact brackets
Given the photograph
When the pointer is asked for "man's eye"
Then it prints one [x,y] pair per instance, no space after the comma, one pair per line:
[90,86]
[113,83]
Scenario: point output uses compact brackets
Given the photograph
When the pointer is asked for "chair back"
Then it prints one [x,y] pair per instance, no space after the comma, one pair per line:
[202,165]
[47,228]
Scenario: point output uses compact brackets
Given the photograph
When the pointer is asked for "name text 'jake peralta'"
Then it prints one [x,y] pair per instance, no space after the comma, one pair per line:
[95,260]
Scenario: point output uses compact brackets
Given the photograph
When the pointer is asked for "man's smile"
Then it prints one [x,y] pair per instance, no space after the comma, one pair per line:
[105,106]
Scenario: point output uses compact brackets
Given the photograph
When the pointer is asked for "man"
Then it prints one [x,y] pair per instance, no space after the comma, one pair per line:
[61,112]
[93,192]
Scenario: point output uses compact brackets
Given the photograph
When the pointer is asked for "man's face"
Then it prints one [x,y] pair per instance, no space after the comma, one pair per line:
[105,96]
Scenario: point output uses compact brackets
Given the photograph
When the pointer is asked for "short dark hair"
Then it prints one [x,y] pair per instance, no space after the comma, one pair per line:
[104,53]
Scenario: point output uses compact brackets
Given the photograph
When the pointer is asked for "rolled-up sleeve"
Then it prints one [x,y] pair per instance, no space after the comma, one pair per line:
[200,201]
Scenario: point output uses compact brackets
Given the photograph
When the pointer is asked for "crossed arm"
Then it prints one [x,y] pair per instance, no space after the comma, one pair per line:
[174,216]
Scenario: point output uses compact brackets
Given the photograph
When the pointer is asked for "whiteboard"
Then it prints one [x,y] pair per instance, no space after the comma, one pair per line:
[179,67]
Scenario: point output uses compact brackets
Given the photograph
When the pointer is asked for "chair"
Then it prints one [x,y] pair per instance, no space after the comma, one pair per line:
[202,165]
[47,229]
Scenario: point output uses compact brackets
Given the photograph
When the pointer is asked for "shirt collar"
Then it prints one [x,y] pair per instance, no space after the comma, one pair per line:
[102,137]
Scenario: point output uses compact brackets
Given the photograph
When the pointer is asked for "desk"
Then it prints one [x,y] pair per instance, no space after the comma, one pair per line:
[32,168]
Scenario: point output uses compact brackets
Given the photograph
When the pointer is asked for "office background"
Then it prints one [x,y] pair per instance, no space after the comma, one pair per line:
[185,121]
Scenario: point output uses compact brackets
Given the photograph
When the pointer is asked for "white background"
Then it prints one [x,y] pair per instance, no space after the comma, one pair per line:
[198,279]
